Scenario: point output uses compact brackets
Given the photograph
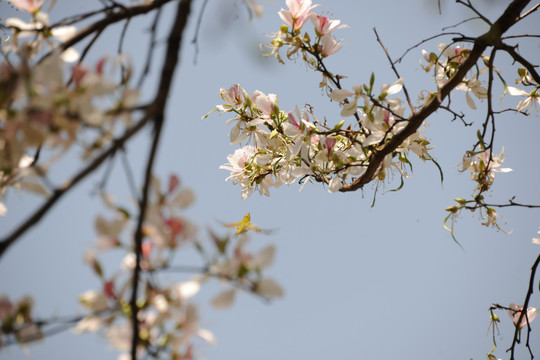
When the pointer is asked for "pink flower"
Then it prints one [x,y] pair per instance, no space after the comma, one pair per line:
[293,121]
[31,6]
[298,13]
[235,95]
[324,25]
[267,104]
[330,142]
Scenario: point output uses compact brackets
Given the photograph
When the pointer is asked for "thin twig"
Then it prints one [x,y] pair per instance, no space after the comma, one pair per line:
[470,6]
[511,50]
[503,23]
[195,41]
[112,18]
[424,41]
[460,23]
[150,52]
[394,69]
[129,175]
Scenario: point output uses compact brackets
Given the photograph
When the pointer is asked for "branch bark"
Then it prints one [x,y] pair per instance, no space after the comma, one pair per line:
[491,38]
[158,109]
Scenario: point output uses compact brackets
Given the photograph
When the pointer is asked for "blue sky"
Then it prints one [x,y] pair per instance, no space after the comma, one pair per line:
[360,282]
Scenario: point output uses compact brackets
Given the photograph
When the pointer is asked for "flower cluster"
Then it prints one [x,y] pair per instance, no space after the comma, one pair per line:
[45,106]
[445,65]
[285,146]
[295,17]
[168,319]
[16,321]
[483,167]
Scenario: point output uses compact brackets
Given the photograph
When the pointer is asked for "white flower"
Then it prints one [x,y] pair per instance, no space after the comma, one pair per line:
[185,290]
[224,299]
[269,288]
[532,99]
[94,301]
[536,240]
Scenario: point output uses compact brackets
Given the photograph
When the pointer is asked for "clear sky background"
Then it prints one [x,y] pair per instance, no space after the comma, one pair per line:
[385,282]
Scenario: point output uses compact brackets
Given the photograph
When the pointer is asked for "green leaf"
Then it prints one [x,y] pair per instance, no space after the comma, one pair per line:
[205,116]
[375,195]
[451,229]
[504,84]
[440,170]
[399,187]
[480,139]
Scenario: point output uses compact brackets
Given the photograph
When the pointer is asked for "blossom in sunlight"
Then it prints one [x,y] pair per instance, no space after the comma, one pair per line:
[298,13]
[532,99]
[483,167]
[324,25]
[237,166]
[515,313]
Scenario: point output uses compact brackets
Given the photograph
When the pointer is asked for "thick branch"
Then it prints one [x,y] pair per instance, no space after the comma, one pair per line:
[492,37]
[158,108]
[520,59]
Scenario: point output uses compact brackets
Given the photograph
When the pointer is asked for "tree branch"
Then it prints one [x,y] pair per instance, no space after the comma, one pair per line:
[491,38]
[157,109]
[524,312]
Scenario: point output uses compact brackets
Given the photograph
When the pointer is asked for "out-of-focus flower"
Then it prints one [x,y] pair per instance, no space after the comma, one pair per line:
[536,240]
[515,313]
[31,6]
[41,23]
